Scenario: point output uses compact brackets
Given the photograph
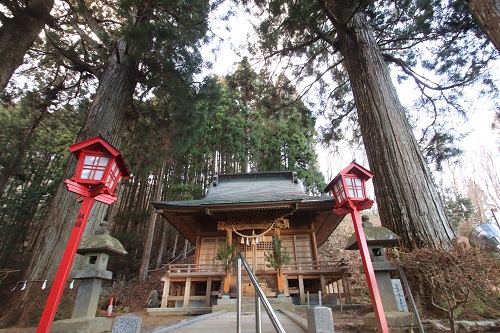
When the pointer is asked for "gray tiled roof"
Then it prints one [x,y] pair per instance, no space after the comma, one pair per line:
[258,196]
[252,187]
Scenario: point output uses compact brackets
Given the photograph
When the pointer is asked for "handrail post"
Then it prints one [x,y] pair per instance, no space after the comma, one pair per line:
[258,315]
[258,290]
[238,300]
[320,301]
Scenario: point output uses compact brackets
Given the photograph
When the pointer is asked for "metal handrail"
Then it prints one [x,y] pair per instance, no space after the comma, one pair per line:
[259,295]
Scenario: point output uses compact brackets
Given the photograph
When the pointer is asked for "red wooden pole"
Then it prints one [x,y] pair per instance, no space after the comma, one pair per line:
[369,272]
[62,274]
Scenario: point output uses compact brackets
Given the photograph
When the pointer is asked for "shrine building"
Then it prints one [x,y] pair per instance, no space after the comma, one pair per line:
[243,212]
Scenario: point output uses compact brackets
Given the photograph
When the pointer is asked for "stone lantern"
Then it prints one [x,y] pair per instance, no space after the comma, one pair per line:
[378,238]
[96,250]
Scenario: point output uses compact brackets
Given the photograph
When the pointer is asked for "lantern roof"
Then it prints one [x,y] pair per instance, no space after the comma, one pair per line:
[99,144]
[380,236]
[352,169]
[101,242]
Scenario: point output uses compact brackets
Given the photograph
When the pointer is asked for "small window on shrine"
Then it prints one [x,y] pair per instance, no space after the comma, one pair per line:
[92,260]
[265,246]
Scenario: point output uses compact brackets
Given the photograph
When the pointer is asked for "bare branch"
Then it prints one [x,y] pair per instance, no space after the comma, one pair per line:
[420,80]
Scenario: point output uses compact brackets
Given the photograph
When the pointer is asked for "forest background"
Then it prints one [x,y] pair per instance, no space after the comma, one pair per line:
[132,70]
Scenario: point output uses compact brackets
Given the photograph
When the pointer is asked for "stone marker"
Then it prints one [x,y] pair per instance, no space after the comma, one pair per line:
[320,320]
[128,323]
[153,300]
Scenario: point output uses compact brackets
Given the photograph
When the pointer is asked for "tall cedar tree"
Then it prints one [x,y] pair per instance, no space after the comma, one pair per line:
[487,13]
[119,44]
[353,41]
[21,23]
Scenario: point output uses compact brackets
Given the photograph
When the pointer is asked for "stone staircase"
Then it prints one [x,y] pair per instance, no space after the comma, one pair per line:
[248,304]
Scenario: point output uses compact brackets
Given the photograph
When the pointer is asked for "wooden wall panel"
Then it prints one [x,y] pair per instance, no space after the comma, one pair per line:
[209,248]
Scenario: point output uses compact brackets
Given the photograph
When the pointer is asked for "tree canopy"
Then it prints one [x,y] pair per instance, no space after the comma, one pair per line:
[127,70]
[344,50]
[171,149]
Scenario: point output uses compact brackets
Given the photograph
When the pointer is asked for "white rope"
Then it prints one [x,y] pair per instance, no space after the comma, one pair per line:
[253,236]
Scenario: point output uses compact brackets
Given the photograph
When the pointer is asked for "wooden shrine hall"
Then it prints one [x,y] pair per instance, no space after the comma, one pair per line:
[243,212]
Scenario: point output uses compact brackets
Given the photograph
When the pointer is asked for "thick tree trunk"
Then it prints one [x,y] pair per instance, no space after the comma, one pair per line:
[106,115]
[406,195]
[18,33]
[487,13]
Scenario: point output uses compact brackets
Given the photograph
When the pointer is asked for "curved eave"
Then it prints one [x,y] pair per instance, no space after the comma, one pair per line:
[187,219]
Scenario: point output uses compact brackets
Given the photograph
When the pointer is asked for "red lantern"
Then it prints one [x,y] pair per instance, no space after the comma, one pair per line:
[100,166]
[349,191]
[350,185]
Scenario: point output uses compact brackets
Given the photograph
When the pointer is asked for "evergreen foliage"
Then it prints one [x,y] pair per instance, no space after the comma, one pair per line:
[33,153]
[227,124]
[458,209]
[226,257]
[278,257]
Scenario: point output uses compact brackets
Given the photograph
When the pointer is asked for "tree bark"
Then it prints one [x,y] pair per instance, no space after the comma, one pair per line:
[107,116]
[406,195]
[487,14]
[174,249]
[148,244]
[163,241]
[18,33]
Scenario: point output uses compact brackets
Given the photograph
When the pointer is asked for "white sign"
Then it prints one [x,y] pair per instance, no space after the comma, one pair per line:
[400,296]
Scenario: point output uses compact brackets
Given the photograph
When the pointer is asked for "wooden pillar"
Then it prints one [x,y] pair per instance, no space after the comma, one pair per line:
[345,287]
[314,245]
[187,292]
[285,282]
[209,291]
[166,291]
[281,286]
[227,278]
[322,281]
[197,252]
[227,284]
[301,290]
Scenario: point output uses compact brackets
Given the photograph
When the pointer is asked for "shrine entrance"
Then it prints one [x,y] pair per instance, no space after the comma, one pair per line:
[245,212]
[255,253]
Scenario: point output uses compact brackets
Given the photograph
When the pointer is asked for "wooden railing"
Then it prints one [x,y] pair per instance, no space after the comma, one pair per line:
[196,269]
[209,269]
[314,265]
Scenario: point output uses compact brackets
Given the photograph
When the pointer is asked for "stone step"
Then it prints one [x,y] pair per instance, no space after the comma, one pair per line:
[248,304]
[251,307]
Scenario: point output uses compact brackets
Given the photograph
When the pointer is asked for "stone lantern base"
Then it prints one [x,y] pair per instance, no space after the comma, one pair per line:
[83,325]
[395,320]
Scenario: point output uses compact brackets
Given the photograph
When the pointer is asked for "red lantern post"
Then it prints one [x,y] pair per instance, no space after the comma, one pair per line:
[349,191]
[100,167]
